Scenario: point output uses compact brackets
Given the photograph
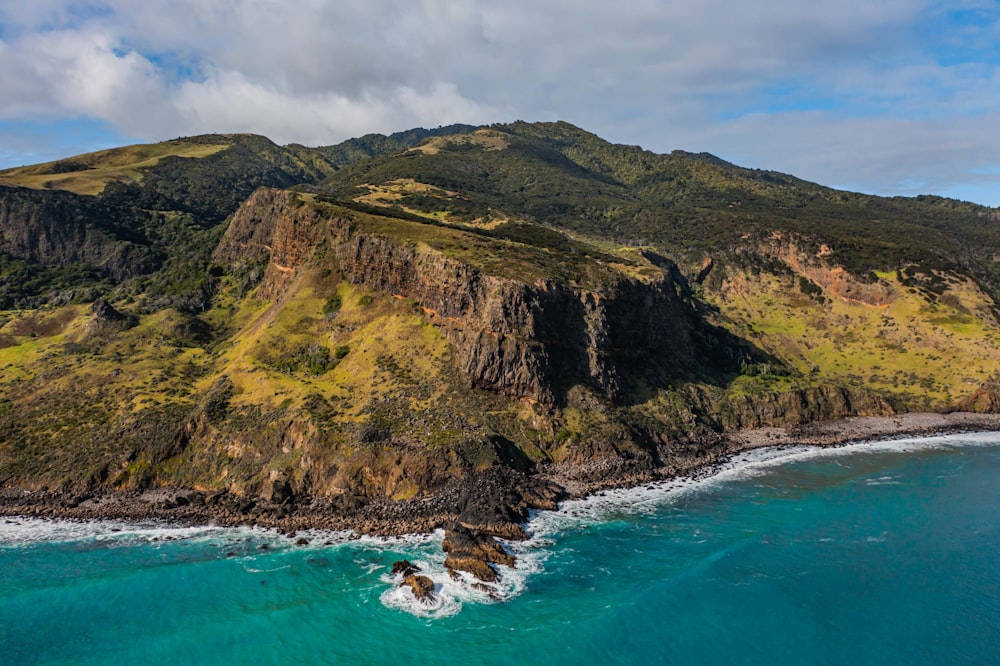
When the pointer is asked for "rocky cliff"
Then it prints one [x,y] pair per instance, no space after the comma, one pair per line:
[530,340]
[58,229]
[507,310]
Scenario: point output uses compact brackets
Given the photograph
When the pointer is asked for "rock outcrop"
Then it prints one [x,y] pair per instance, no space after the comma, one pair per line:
[788,408]
[525,340]
[422,587]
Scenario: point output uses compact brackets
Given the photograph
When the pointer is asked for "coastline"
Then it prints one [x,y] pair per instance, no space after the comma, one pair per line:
[836,433]
[541,490]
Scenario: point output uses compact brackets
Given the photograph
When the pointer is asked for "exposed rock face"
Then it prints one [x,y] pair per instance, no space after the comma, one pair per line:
[59,229]
[791,408]
[278,490]
[984,400]
[108,319]
[819,269]
[530,340]
[706,267]
[523,340]
[273,225]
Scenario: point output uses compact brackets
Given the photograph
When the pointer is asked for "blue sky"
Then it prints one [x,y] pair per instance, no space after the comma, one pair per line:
[895,97]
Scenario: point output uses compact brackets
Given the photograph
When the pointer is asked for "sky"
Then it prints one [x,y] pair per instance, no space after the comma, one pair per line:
[895,97]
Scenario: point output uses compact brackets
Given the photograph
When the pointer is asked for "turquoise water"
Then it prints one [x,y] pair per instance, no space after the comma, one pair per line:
[873,554]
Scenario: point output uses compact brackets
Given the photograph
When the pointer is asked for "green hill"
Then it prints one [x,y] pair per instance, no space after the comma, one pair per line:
[378,318]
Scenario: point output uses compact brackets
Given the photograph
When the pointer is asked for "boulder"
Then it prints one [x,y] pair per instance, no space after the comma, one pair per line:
[404,568]
[422,586]
[186,497]
[463,542]
[472,565]
[539,494]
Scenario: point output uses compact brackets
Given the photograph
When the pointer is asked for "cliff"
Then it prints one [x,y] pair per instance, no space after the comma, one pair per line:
[411,331]
[57,229]
[530,340]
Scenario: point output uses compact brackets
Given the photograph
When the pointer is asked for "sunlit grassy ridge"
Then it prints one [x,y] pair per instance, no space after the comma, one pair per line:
[525,252]
[90,173]
[687,204]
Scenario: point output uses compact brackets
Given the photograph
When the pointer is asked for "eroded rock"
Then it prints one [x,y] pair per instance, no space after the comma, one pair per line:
[472,565]
[422,587]
[404,568]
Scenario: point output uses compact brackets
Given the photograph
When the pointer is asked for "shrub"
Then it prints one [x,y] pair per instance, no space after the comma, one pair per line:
[333,305]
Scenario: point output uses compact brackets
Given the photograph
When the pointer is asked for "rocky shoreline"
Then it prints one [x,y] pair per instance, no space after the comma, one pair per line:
[474,512]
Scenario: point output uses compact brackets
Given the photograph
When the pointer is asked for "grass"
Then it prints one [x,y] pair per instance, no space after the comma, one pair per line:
[359,334]
[482,138]
[913,346]
[572,261]
[90,173]
[342,380]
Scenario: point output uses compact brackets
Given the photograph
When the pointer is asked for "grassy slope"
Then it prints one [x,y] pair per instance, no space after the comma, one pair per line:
[539,201]
[373,363]
[927,349]
[687,204]
[90,173]
[926,352]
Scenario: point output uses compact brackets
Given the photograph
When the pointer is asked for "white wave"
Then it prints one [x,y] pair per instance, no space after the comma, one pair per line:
[882,481]
[651,497]
[544,527]
[21,531]
[253,570]
[424,550]
[452,593]
[400,542]
[24,530]
[440,604]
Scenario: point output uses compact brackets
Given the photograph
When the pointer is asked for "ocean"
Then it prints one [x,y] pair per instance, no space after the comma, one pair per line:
[880,553]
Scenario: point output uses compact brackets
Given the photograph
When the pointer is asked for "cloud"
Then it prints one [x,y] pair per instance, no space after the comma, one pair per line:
[865,153]
[855,80]
[228,101]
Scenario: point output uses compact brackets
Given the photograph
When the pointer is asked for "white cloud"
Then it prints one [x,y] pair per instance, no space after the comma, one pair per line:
[229,102]
[739,79]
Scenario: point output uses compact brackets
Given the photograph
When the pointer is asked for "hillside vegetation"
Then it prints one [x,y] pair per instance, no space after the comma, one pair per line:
[375,318]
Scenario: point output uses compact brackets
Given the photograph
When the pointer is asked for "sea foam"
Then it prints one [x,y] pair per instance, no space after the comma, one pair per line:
[252,544]
[452,592]
[544,527]
[649,498]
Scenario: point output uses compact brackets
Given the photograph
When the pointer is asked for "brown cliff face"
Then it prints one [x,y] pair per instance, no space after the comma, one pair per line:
[523,340]
[819,268]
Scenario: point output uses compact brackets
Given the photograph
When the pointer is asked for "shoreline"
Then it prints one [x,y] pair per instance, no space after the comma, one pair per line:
[826,434]
[386,518]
